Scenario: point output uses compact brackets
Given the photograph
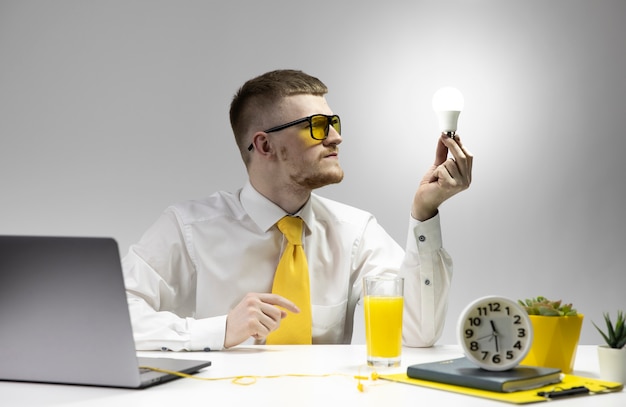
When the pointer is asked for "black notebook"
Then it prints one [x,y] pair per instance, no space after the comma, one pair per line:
[462,372]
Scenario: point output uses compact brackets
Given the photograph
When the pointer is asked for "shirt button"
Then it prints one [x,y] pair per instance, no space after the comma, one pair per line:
[422,238]
[427,282]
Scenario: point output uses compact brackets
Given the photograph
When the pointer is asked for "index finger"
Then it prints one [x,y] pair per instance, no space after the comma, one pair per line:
[278,300]
[462,157]
[458,150]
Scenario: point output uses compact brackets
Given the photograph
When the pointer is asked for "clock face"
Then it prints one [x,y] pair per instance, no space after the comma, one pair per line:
[495,333]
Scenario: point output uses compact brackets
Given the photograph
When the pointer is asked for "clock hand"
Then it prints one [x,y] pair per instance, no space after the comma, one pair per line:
[495,334]
[483,337]
[496,337]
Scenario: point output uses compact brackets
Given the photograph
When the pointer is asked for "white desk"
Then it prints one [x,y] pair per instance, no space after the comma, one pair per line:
[286,391]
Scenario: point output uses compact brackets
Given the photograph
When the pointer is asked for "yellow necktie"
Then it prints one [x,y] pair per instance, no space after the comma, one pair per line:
[292,282]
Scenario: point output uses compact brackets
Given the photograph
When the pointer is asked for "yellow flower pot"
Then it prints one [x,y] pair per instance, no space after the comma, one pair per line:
[555,340]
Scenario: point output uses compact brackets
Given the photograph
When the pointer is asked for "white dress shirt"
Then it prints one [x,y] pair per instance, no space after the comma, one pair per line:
[201,257]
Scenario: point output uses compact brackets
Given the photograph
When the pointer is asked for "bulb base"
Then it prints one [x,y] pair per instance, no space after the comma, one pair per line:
[451,134]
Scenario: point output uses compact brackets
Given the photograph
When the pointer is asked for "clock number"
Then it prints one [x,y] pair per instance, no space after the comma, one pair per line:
[474,321]
[469,333]
[518,345]
[521,332]
[492,307]
[509,354]
[485,354]
[518,320]
[474,346]
[496,358]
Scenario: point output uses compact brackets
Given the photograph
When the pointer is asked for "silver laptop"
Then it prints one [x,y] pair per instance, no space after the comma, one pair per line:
[64,316]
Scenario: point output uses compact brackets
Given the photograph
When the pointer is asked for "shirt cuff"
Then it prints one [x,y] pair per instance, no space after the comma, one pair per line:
[425,235]
[207,334]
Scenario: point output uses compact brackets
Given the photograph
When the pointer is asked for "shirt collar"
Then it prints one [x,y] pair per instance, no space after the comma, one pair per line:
[266,213]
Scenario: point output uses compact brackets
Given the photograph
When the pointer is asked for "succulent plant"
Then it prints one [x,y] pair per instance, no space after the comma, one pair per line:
[543,306]
[615,335]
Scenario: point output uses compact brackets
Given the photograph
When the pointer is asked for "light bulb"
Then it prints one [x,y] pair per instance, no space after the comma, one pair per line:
[448,103]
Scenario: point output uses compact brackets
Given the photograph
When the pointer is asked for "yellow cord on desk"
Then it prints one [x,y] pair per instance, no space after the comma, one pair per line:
[246,380]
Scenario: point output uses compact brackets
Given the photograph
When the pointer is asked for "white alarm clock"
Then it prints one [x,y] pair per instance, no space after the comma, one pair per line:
[495,332]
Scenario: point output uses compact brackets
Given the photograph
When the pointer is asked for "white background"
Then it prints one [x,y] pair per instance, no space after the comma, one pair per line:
[112,110]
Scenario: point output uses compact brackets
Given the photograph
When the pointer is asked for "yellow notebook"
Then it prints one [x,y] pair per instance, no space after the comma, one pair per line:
[581,386]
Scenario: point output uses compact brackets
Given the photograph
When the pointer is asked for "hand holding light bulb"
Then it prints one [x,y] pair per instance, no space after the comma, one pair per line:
[448,103]
[451,172]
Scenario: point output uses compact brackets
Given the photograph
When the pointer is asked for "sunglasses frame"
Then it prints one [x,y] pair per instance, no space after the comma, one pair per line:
[308,119]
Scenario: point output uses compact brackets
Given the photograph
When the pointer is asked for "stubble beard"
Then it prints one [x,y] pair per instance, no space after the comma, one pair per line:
[314,181]
[313,178]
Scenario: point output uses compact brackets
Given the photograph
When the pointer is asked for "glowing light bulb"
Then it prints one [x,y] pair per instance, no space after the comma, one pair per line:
[448,103]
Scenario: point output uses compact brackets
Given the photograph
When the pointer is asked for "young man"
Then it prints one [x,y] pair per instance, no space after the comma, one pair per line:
[201,277]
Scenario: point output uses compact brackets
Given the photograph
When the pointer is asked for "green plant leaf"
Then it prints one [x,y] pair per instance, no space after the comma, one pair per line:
[548,312]
[615,334]
[606,338]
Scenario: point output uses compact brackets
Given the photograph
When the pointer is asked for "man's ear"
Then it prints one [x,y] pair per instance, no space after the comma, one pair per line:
[262,143]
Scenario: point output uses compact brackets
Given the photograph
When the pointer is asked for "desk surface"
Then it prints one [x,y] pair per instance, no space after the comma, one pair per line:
[336,366]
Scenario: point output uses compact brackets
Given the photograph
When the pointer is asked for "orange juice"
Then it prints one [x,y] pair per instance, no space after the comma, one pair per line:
[383,327]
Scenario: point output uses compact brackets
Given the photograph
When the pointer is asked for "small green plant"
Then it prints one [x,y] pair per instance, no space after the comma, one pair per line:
[543,306]
[615,335]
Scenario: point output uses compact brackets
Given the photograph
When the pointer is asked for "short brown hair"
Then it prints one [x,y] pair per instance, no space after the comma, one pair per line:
[260,95]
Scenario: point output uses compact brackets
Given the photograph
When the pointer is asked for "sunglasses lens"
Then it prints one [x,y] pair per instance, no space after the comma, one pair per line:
[320,125]
[336,123]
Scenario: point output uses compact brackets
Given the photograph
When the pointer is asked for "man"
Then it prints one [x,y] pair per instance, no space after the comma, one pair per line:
[201,277]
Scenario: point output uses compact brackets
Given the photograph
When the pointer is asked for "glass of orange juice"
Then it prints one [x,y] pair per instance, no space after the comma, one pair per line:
[383,303]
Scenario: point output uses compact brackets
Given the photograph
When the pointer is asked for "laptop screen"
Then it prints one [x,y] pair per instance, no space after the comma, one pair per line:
[64,313]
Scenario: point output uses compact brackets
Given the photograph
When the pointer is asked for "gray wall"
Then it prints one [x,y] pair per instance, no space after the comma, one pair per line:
[112,110]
